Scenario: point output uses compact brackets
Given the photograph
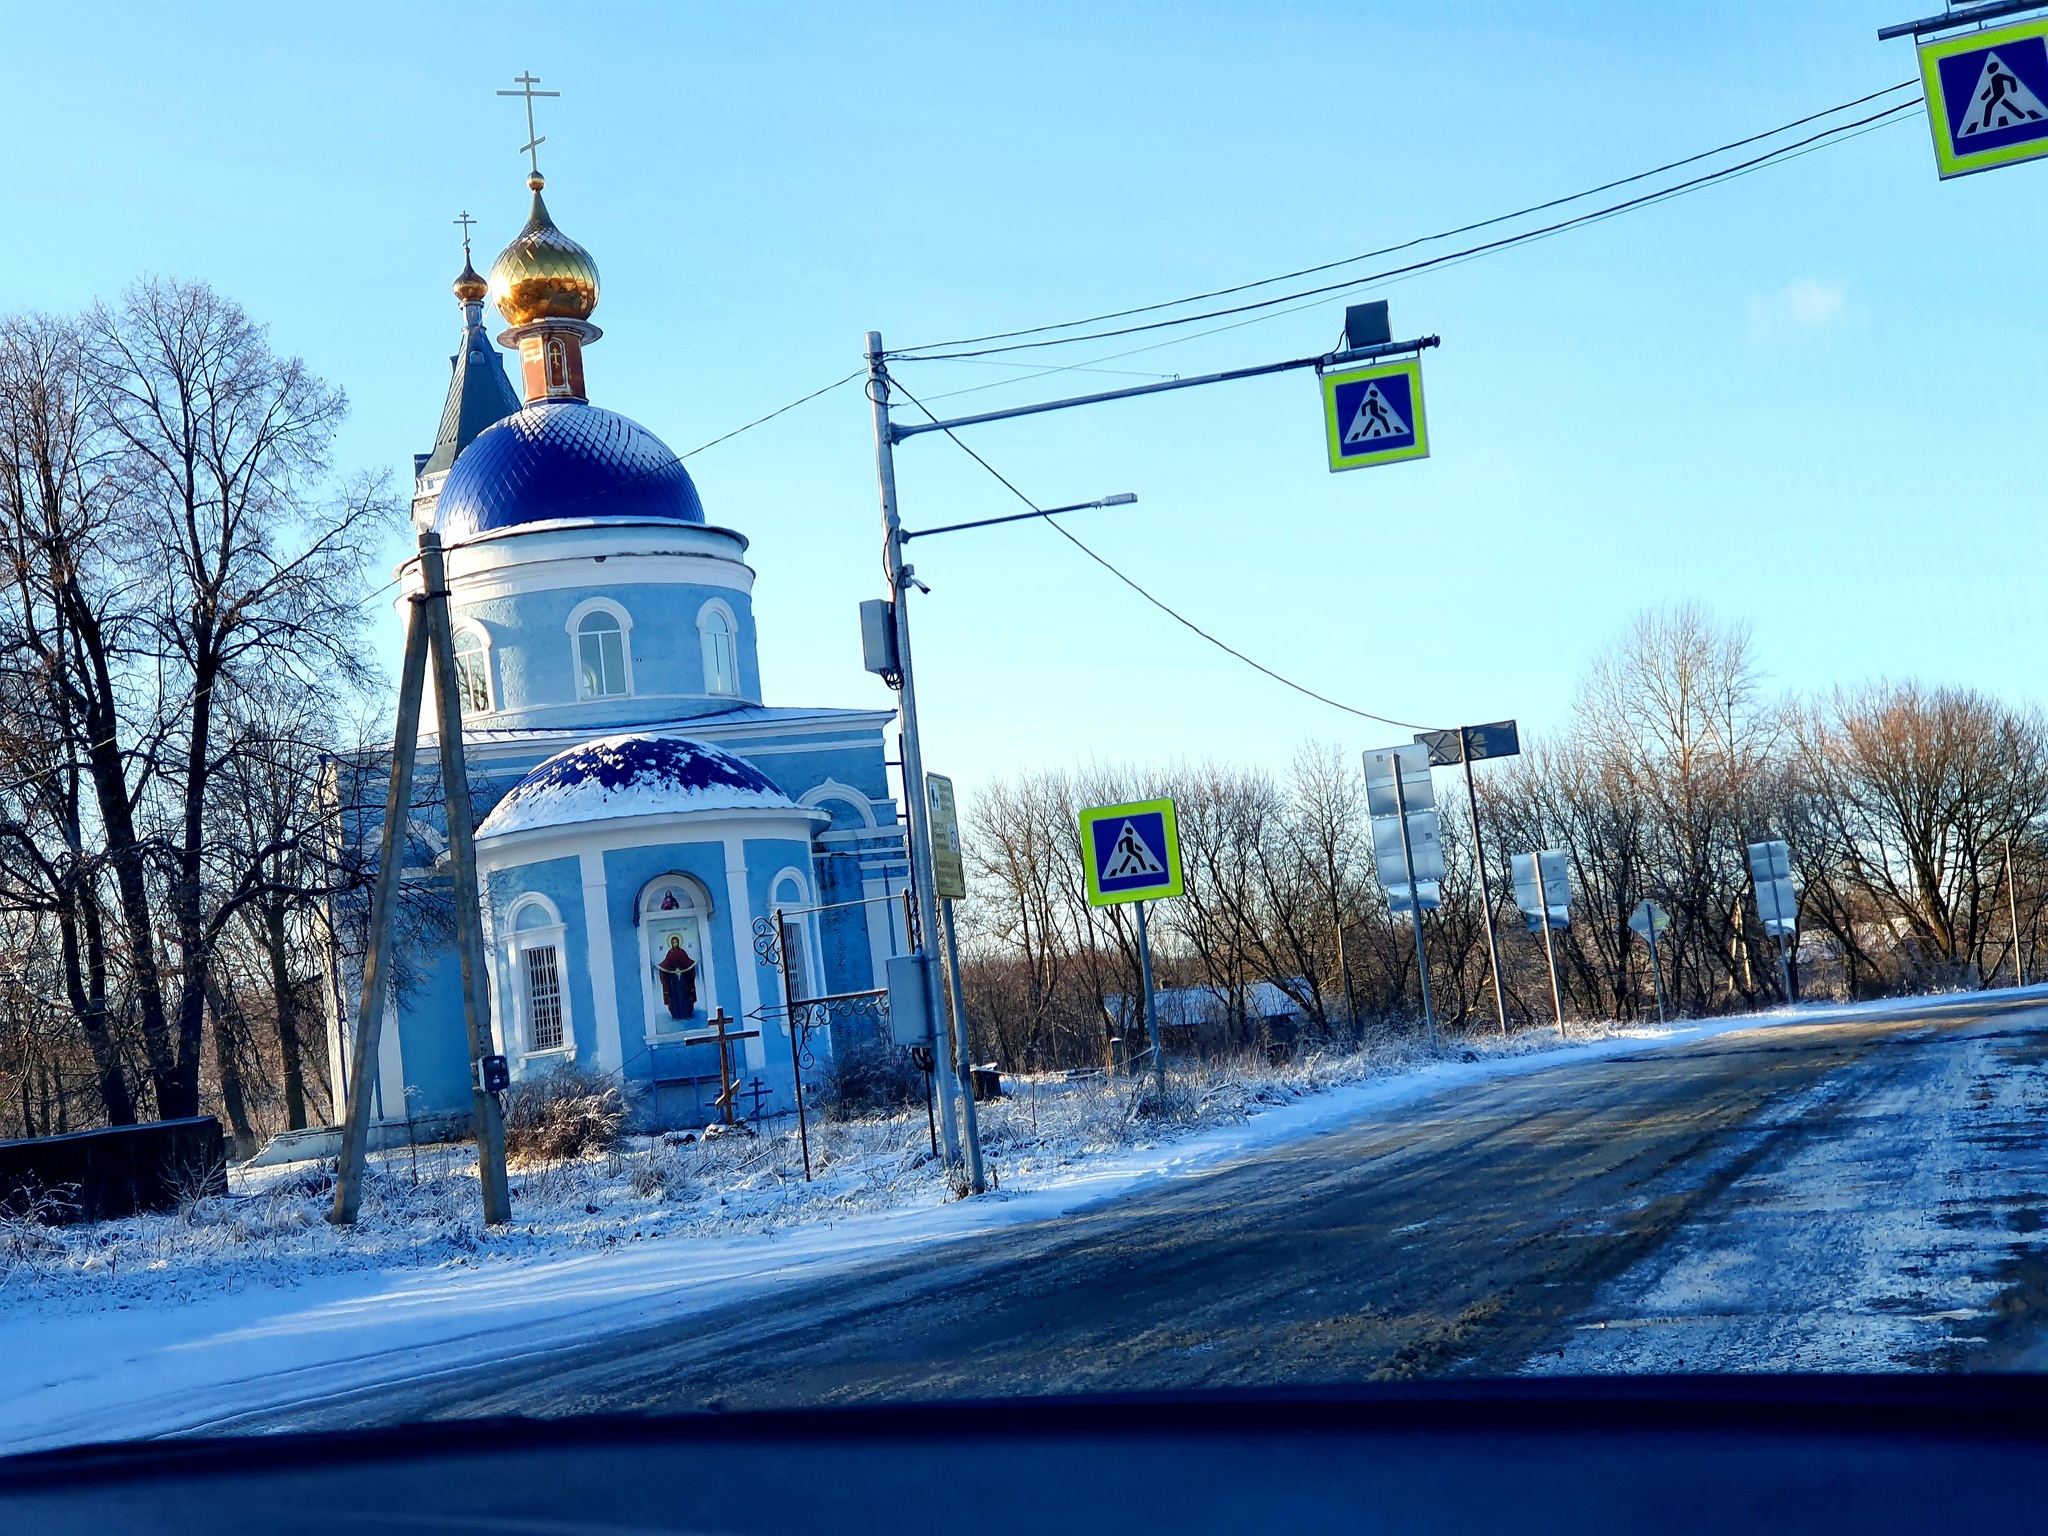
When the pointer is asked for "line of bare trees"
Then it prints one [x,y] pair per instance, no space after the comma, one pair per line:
[1904,805]
[180,655]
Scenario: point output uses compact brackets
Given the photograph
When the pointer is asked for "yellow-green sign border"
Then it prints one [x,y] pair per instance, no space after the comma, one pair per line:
[1175,886]
[1334,434]
[1946,160]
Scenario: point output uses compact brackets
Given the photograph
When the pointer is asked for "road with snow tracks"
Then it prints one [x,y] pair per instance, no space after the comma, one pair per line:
[1859,1195]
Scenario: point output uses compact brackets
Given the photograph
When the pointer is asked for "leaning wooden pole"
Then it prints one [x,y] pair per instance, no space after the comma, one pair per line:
[361,1065]
[469,938]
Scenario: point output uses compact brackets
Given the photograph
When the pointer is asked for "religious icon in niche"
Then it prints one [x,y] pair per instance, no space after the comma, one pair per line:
[678,973]
[558,365]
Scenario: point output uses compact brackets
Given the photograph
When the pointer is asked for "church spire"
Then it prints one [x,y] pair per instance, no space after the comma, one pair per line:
[545,285]
[479,393]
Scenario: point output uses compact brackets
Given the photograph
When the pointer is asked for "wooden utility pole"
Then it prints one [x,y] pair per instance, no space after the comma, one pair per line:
[428,635]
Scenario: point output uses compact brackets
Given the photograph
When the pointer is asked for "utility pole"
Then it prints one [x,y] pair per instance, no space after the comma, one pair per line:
[915,816]
[1500,1002]
[428,637]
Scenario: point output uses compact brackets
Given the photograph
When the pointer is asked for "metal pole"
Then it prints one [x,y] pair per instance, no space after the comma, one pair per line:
[1151,1008]
[361,1066]
[914,812]
[977,1176]
[1785,972]
[1500,1002]
[2012,907]
[1414,899]
[796,1073]
[1656,974]
[469,937]
[1549,947]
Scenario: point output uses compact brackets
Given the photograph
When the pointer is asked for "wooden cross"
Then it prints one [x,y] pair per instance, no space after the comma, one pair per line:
[526,84]
[465,221]
[724,1036]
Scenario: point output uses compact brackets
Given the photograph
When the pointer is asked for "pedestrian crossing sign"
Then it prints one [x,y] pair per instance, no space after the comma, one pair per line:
[1374,415]
[1987,97]
[1131,852]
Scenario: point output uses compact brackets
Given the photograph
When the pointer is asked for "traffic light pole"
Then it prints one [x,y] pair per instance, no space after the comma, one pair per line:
[915,816]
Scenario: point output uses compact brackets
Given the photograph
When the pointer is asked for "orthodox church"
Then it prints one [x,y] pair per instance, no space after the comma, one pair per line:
[644,811]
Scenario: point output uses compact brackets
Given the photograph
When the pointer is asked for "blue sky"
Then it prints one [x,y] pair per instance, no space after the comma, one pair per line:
[1808,399]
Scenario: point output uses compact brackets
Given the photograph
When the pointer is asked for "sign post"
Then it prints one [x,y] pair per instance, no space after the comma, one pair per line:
[1132,853]
[1460,748]
[949,884]
[1547,907]
[1777,904]
[1407,844]
[1649,920]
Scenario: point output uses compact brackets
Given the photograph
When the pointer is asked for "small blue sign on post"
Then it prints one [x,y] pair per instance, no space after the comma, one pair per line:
[1987,97]
[1374,415]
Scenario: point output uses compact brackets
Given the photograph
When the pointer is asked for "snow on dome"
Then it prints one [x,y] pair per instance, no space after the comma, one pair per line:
[631,775]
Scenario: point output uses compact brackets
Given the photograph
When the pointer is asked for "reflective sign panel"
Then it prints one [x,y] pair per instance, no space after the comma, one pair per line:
[1374,415]
[1987,97]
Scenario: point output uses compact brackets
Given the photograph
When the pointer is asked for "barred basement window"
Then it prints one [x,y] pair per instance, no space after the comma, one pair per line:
[543,999]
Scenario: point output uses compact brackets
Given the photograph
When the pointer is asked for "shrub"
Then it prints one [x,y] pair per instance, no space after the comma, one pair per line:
[869,1077]
[563,1113]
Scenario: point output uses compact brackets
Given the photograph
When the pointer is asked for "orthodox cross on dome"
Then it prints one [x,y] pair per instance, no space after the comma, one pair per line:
[465,221]
[526,84]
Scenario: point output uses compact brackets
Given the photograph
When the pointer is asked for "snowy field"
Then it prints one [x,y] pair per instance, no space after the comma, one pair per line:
[159,1324]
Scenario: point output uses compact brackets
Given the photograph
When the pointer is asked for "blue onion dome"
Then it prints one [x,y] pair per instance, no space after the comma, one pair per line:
[631,775]
[563,459]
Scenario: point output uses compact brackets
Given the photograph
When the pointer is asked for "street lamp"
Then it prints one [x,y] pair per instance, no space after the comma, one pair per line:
[1120,499]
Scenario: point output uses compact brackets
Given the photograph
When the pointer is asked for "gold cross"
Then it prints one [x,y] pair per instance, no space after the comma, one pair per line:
[526,84]
[465,221]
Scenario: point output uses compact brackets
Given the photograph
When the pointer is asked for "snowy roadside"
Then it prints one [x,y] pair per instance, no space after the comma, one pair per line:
[158,1325]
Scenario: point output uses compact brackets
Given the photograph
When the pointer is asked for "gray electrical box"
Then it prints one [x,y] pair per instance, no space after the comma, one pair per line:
[910,1005]
[1367,325]
[878,637]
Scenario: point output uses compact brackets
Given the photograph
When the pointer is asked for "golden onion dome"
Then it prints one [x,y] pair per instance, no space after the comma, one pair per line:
[543,274]
[470,285]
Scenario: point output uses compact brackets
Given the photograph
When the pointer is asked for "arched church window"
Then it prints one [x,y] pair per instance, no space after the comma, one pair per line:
[539,980]
[472,673]
[674,919]
[721,663]
[796,935]
[601,655]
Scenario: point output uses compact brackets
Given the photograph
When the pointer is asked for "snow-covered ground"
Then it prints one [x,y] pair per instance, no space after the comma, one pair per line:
[161,1324]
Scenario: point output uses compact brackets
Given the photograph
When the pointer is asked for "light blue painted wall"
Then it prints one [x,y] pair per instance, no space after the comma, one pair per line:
[561,881]
[533,659]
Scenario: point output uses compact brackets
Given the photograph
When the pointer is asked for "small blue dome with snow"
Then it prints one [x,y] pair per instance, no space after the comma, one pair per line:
[563,459]
[631,775]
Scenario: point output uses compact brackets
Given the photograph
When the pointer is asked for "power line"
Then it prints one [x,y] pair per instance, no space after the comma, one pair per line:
[1835,133]
[1179,618]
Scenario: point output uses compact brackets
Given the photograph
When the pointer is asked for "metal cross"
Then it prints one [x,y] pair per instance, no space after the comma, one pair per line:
[465,221]
[527,82]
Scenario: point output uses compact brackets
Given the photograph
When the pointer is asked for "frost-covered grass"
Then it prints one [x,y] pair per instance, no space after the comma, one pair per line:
[421,1207]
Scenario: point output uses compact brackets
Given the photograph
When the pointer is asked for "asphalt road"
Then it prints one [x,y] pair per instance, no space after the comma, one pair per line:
[1853,1195]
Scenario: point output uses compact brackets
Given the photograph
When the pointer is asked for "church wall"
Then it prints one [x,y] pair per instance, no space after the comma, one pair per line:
[433,1039]
[534,665]
[627,872]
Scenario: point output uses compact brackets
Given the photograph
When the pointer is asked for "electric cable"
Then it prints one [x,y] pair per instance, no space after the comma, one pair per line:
[1164,607]
[1839,132]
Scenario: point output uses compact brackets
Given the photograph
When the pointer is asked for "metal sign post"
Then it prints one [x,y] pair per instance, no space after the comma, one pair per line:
[1407,844]
[1777,904]
[2012,907]
[1475,742]
[1649,920]
[1543,890]
[1131,852]
[949,883]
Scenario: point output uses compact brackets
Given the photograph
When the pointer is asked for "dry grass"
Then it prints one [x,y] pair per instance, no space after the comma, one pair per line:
[564,1114]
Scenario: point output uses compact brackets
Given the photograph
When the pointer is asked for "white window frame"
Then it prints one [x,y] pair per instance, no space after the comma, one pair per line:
[470,629]
[574,628]
[659,1027]
[717,607]
[807,920]
[517,941]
